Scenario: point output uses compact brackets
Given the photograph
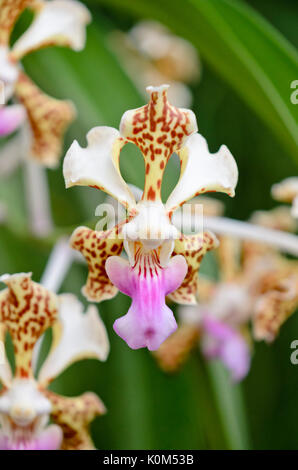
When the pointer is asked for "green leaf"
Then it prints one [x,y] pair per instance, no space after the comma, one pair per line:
[255,59]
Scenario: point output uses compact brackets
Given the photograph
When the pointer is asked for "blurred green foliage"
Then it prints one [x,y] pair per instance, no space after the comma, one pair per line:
[242,100]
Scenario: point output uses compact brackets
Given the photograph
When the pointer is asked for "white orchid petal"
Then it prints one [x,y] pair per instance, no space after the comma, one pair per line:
[97,165]
[166,251]
[192,314]
[78,336]
[202,171]
[59,22]
[119,212]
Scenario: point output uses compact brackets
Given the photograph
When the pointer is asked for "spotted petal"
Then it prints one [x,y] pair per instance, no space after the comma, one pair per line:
[203,172]
[11,117]
[149,320]
[76,336]
[74,415]
[96,247]
[98,164]
[9,13]
[193,248]
[27,309]
[158,129]
[48,119]
[294,210]
[57,22]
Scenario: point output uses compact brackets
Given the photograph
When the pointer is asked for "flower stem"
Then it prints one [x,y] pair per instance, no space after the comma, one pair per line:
[284,241]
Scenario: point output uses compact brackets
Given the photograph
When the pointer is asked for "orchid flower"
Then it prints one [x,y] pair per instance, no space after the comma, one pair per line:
[262,289]
[56,22]
[150,53]
[287,191]
[27,310]
[161,261]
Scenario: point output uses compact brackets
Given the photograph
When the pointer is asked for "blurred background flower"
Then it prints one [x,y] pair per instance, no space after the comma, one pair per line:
[244,60]
[152,55]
